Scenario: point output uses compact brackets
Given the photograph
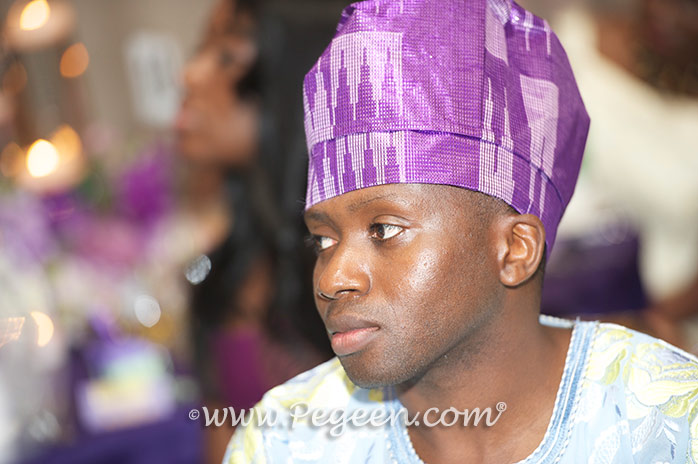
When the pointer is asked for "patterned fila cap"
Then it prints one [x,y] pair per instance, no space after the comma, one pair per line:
[476,94]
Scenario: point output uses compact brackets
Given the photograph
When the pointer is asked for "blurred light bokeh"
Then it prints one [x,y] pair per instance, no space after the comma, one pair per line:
[93,297]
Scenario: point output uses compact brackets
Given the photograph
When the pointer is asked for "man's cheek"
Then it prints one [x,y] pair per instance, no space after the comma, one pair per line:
[424,279]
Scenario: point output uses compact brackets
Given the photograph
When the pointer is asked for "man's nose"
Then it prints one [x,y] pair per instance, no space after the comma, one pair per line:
[346,274]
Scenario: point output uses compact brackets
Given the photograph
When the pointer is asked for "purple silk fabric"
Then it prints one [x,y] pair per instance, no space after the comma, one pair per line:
[472,93]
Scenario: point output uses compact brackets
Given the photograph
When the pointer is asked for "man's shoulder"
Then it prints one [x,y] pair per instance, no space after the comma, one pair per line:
[630,397]
[640,362]
[642,388]
[620,345]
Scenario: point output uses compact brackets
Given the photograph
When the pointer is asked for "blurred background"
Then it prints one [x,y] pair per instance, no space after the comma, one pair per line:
[152,174]
[627,248]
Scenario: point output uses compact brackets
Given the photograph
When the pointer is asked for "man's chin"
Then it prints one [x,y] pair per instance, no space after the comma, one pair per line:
[368,375]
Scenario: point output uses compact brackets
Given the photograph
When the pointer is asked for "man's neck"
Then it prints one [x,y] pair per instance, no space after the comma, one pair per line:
[515,361]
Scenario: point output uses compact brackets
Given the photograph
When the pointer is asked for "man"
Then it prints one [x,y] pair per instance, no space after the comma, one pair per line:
[445,139]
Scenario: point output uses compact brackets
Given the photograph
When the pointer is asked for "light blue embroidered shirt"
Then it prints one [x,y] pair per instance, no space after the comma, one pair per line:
[624,397]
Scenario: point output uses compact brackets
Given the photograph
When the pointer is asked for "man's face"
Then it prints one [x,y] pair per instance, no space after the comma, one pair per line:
[407,277]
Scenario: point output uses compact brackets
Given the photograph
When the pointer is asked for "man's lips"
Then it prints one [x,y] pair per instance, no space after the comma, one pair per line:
[349,334]
[344,343]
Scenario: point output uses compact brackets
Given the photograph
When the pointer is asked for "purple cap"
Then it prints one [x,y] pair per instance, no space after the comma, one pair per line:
[476,94]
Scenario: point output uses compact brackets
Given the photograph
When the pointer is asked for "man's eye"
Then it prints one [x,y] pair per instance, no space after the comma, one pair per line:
[322,242]
[385,231]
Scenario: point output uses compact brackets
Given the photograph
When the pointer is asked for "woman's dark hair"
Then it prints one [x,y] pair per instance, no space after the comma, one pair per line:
[250,86]
[267,200]
[292,34]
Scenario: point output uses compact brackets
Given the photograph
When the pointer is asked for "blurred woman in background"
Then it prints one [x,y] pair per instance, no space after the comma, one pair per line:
[253,319]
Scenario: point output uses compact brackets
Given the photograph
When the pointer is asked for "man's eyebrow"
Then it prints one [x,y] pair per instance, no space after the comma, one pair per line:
[320,216]
[354,207]
[317,216]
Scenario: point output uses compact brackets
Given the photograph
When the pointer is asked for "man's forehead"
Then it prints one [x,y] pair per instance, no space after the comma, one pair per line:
[404,196]
[356,200]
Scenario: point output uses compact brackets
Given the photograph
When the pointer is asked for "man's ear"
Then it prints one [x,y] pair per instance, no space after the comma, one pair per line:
[520,244]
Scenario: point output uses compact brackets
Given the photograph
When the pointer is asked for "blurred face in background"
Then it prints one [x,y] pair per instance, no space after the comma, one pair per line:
[215,124]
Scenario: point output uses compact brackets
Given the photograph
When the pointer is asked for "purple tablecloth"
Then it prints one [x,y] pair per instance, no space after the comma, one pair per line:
[174,441]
